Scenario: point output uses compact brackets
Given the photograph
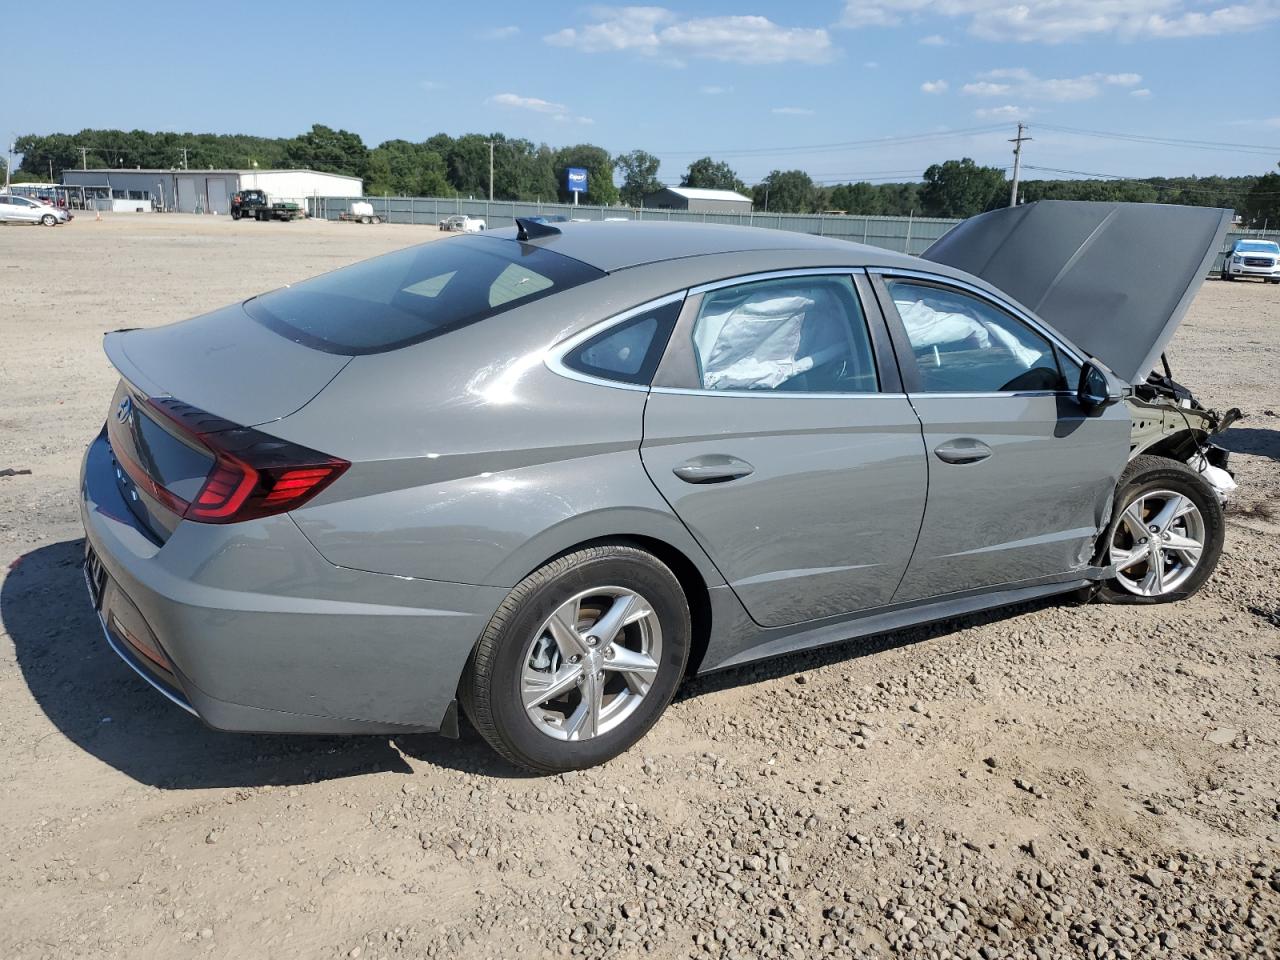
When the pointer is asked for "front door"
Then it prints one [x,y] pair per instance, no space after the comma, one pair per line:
[800,476]
[1020,476]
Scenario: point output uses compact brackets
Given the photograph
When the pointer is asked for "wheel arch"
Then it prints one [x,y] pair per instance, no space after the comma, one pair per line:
[691,578]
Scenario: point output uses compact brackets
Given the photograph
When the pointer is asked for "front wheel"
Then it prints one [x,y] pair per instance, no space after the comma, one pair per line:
[49,220]
[1165,535]
[580,660]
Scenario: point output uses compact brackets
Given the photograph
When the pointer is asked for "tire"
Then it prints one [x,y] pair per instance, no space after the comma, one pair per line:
[49,220]
[365,220]
[517,650]
[1227,276]
[1149,479]
[377,219]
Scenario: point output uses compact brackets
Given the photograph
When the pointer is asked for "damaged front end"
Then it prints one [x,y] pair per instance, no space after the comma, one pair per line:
[1169,422]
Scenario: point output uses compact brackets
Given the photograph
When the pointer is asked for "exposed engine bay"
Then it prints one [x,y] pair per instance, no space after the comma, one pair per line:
[1169,422]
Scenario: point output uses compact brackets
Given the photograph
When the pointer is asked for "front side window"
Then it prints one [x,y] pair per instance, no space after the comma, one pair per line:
[963,344]
[412,295]
[794,334]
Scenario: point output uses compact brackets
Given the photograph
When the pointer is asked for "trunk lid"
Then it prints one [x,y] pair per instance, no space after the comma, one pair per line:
[1114,278]
[224,362]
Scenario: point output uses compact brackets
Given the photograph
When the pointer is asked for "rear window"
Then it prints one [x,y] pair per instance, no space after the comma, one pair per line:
[415,294]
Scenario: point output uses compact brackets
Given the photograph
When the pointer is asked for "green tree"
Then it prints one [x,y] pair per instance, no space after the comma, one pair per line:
[856,198]
[328,150]
[786,191]
[961,188]
[639,176]
[711,174]
[599,166]
[1261,205]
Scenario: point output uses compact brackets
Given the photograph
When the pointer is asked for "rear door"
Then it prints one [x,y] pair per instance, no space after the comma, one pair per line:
[1020,476]
[778,432]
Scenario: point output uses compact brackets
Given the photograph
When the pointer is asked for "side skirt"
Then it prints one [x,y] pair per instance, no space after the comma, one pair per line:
[737,640]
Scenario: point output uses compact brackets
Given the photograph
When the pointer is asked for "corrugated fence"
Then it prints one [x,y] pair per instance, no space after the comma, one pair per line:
[903,234]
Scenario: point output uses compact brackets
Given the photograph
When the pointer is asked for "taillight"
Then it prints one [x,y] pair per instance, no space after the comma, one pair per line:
[254,474]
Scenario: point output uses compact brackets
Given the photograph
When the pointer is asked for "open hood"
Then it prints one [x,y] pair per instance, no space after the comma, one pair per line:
[1114,278]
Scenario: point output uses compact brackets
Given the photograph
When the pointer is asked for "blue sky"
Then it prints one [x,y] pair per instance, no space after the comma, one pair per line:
[763,85]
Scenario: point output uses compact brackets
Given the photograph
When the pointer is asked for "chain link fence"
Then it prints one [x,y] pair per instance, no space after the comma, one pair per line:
[911,235]
[903,234]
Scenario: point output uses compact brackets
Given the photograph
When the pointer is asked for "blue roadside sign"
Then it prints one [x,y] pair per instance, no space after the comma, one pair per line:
[577,180]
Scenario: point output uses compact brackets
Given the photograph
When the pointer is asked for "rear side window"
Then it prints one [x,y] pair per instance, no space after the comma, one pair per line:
[629,352]
[415,294]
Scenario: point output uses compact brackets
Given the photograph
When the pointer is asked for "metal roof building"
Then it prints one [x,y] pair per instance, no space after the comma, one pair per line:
[204,191]
[698,200]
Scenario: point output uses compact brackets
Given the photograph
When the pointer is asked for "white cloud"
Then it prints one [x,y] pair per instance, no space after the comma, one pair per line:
[1006,112]
[1022,83]
[872,65]
[1058,21]
[1271,122]
[935,40]
[499,33]
[658,31]
[1142,93]
[566,118]
[934,86]
[528,103]
[792,111]
[431,84]
[715,90]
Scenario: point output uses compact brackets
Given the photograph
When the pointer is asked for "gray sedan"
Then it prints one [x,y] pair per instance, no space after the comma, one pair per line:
[546,472]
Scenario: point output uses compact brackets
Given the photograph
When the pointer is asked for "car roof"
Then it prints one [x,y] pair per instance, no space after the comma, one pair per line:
[616,245]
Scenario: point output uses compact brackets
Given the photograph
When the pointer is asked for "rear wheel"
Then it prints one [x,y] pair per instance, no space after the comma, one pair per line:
[1165,536]
[580,660]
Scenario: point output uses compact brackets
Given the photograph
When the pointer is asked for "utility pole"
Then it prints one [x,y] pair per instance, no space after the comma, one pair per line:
[1017,163]
[184,158]
[491,171]
[8,168]
[84,157]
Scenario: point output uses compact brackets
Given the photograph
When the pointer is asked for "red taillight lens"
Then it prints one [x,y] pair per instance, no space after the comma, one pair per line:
[254,474]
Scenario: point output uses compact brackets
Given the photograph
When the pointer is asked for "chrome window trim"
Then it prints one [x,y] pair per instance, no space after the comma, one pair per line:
[554,357]
[839,271]
[791,395]
[1049,334]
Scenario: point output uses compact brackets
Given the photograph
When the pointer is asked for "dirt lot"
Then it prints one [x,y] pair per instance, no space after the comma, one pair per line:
[1055,781]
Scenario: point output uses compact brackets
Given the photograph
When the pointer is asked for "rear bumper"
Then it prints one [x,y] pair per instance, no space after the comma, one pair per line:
[254,631]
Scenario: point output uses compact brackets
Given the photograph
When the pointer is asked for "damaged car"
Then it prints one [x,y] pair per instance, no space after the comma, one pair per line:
[540,475]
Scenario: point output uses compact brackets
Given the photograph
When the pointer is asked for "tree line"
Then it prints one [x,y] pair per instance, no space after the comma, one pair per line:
[443,165]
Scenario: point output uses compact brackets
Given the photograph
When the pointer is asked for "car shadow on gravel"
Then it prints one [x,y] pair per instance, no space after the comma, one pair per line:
[100,705]
[1251,440]
[795,664]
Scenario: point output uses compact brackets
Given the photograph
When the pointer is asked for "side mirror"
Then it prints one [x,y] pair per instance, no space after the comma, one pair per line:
[1095,389]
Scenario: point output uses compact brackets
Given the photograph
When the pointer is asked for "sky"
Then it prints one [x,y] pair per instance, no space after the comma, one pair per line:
[872,90]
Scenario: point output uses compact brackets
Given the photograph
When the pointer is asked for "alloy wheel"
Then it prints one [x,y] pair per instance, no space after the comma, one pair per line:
[1158,543]
[591,664]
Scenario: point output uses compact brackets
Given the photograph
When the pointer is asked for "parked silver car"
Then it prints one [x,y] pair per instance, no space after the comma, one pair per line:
[547,471]
[16,209]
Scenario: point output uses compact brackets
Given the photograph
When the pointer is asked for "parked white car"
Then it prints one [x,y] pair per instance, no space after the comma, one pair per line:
[1253,258]
[463,222]
[15,209]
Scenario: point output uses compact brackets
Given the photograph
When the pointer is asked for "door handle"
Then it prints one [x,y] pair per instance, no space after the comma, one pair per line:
[713,468]
[962,450]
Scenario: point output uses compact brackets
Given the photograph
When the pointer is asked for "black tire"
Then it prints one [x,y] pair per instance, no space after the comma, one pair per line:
[1144,475]
[490,687]
[1226,275]
[49,220]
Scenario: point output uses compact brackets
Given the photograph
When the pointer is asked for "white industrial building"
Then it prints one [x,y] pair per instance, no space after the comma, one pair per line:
[203,191]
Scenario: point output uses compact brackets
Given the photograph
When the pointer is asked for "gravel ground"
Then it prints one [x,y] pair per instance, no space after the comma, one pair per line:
[1053,781]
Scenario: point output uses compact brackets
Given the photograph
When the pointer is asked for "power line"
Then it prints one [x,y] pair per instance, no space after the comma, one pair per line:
[822,147]
[1148,181]
[1251,148]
